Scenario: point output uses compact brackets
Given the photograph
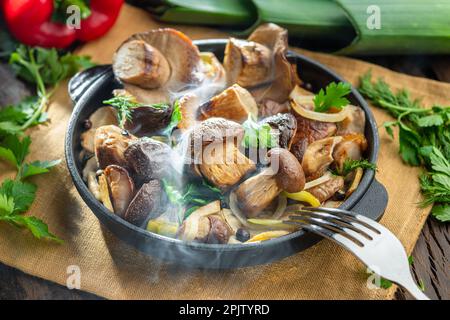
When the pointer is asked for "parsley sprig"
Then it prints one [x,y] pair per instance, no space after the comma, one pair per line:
[424,136]
[43,68]
[350,165]
[17,195]
[332,97]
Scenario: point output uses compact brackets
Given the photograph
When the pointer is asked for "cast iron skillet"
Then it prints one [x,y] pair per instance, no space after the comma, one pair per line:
[89,88]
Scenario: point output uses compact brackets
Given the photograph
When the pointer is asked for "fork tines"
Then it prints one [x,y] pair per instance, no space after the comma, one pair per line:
[328,222]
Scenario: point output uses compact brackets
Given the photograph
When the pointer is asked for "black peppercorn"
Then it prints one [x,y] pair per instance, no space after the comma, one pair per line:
[242,235]
[339,195]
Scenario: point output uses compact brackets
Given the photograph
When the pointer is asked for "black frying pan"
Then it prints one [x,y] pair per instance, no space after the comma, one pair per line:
[89,88]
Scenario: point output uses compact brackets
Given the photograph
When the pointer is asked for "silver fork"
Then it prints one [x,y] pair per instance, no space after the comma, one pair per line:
[377,247]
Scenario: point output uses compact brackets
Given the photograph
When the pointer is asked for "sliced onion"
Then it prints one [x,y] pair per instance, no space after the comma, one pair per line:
[319,116]
[311,184]
[192,222]
[236,211]
[356,181]
[282,203]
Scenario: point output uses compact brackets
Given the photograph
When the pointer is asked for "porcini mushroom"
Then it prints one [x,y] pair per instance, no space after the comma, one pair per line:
[224,165]
[101,117]
[351,147]
[264,67]
[235,103]
[149,158]
[110,143]
[136,62]
[121,188]
[355,122]
[286,125]
[327,189]
[247,63]
[145,204]
[318,157]
[285,174]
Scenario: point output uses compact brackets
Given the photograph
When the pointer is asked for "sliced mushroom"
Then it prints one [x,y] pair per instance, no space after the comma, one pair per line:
[284,74]
[318,157]
[121,188]
[256,193]
[213,70]
[211,130]
[187,69]
[311,130]
[224,165]
[248,63]
[149,158]
[269,108]
[145,204]
[110,144]
[235,103]
[351,147]
[286,125]
[105,197]
[101,117]
[138,63]
[205,225]
[354,123]
[327,189]
[188,108]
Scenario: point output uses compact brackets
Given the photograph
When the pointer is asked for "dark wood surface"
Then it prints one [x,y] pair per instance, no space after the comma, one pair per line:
[431,254]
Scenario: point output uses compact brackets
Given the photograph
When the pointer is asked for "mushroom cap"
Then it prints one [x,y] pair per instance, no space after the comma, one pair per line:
[146,203]
[182,57]
[289,174]
[136,62]
[149,158]
[286,124]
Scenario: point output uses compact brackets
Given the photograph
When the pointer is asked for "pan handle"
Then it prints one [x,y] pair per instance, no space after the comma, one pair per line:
[81,81]
[374,201]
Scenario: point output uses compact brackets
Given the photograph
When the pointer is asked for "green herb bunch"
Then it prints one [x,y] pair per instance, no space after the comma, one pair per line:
[43,68]
[424,136]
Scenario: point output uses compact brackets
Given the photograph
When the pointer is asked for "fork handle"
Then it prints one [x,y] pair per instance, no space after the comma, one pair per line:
[413,289]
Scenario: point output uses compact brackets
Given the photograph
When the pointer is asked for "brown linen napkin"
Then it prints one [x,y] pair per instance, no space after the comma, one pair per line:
[113,270]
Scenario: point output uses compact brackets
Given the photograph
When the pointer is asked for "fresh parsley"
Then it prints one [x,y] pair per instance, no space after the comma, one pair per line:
[424,136]
[256,134]
[42,68]
[350,165]
[332,97]
[16,196]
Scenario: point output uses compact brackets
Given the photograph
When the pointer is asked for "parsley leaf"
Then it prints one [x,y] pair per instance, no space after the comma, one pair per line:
[350,165]
[441,212]
[37,167]
[23,194]
[332,97]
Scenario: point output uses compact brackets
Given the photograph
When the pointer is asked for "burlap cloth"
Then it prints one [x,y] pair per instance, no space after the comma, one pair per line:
[113,270]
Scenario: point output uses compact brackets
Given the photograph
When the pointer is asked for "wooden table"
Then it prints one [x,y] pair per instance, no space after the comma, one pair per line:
[431,254]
